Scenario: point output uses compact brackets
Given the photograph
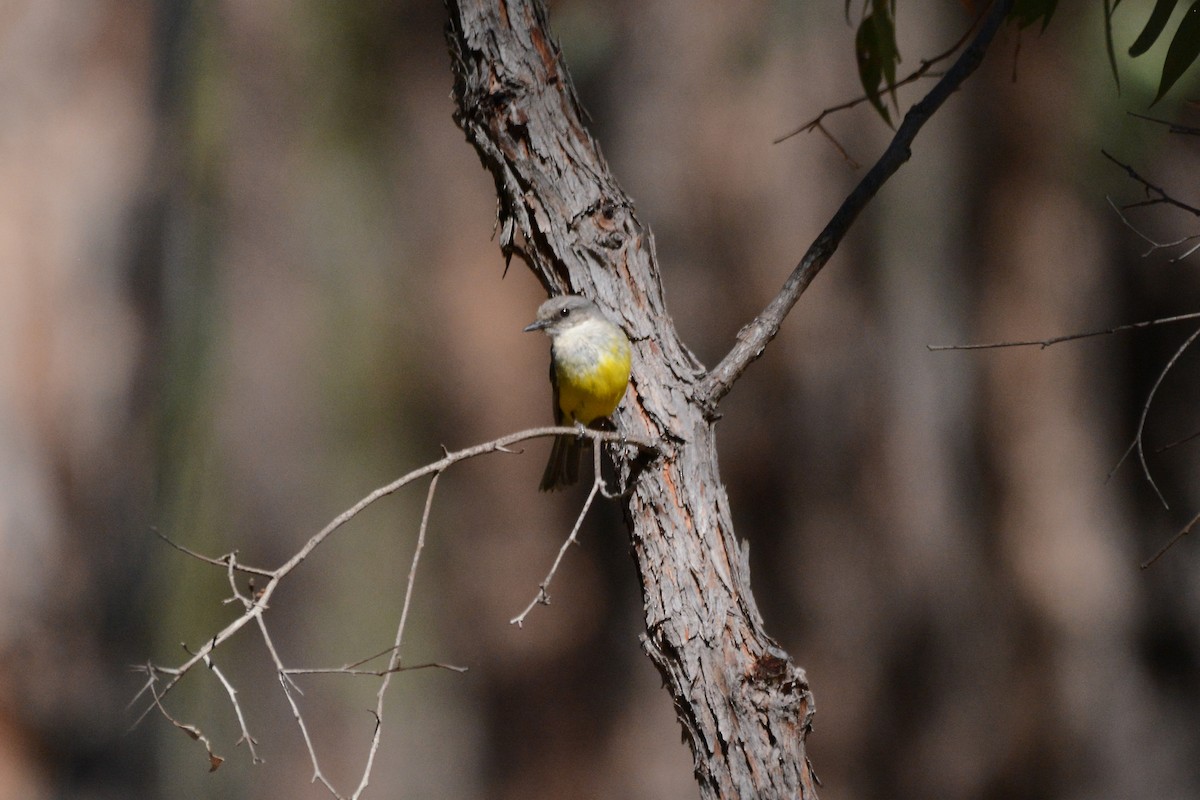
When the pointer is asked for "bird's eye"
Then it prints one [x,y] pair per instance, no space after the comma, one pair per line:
[566,312]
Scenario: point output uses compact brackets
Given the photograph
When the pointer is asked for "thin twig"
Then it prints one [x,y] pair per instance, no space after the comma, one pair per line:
[1157,194]
[1177,442]
[1139,438]
[842,151]
[372,673]
[502,444]
[217,562]
[596,471]
[1154,244]
[543,596]
[1172,127]
[257,603]
[1044,343]
[353,667]
[441,465]
[214,760]
[285,681]
[231,575]
[226,633]
[1171,542]
[237,707]
[394,660]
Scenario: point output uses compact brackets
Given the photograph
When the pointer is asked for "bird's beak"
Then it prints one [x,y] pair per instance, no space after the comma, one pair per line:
[535,326]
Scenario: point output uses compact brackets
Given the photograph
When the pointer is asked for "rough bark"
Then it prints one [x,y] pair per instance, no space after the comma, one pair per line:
[744,705]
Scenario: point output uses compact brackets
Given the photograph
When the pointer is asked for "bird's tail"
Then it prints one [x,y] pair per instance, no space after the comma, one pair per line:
[563,467]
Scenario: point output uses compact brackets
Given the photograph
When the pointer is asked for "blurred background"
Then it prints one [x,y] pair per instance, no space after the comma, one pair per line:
[247,275]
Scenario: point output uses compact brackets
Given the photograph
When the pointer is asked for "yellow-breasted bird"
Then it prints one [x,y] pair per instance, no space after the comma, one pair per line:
[589,370]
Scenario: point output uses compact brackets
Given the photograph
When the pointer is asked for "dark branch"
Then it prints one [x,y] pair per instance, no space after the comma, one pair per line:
[1157,195]
[753,339]
[1139,438]
[1171,542]
[920,72]
[1172,127]
[1070,337]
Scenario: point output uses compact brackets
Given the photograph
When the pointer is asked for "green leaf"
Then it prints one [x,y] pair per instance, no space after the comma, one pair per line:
[1154,27]
[885,25]
[875,50]
[1183,50]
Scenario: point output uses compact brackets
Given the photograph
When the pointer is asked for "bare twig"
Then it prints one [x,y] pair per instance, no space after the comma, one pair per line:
[1177,442]
[237,707]
[214,760]
[1157,195]
[394,660]
[372,673]
[1171,542]
[353,667]
[1172,127]
[217,562]
[543,596]
[842,151]
[1139,438]
[1154,244]
[231,570]
[198,655]
[288,686]
[754,337]
[256,603]
[1044,343]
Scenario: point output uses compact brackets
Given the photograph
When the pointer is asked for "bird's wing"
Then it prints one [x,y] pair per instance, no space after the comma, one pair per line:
[558,414]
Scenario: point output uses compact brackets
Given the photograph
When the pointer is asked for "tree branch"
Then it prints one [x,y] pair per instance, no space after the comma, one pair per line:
[542,597]
[754,337]
[927,64]
[1069,337]
[1156,194]
[256,603]
[1139,438]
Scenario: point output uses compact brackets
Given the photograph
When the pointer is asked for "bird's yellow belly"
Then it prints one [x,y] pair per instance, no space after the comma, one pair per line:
[590,391]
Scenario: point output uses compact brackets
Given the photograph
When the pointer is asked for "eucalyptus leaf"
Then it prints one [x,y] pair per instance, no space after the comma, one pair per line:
[1183,50]
[1154,27]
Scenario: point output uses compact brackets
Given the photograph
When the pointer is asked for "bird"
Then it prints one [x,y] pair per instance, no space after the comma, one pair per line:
[590,361]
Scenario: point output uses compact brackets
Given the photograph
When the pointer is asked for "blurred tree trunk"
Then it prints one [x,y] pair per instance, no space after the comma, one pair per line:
[744,706]
[74,137]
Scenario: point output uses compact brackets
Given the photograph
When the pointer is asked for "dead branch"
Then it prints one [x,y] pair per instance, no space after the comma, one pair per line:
[1154,244]
[543,596]
[1139,438]
[1156,194]
[394,660]
[256,603]
[1070,337]
[1184,531]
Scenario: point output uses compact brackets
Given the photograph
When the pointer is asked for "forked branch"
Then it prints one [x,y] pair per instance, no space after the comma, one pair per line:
[161,680]
[754,337]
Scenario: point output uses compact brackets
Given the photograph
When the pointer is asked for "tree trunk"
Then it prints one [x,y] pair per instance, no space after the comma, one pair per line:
[744,706]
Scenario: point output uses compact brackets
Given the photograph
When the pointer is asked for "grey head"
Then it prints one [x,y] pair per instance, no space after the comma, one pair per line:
[562,312]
